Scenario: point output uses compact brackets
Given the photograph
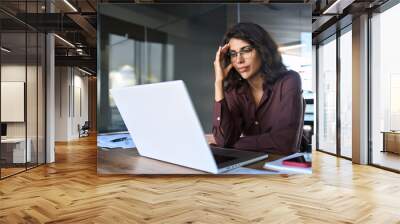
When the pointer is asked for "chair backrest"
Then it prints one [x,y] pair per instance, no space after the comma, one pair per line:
[306,134]
[300,133]
[86,125]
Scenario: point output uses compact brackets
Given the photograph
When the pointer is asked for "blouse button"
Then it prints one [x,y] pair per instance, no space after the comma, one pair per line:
[256,122]
[218,118]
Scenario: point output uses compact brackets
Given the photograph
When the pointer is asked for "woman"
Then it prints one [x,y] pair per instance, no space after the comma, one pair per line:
[258,102]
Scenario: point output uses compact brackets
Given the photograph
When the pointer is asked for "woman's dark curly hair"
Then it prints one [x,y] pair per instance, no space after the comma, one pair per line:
[271,61]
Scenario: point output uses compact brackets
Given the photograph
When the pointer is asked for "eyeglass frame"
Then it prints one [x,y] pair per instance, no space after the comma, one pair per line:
[241,52]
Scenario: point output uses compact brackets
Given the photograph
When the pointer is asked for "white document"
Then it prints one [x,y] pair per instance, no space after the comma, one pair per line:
[277,165]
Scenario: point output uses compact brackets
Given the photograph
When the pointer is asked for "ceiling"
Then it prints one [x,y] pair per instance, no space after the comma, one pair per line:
[76,21]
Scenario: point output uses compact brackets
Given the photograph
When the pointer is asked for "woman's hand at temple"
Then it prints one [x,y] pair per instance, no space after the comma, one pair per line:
[220,72]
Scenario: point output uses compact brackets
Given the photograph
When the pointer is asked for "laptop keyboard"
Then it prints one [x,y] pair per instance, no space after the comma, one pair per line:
[222,159]
[219,159]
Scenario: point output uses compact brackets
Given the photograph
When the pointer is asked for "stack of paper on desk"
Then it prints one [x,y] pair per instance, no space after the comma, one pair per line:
[277,165]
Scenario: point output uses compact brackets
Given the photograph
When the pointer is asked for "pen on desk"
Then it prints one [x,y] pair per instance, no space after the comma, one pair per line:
[119,139]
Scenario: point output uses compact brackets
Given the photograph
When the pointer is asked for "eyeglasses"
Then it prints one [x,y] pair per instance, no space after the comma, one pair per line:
[245,52]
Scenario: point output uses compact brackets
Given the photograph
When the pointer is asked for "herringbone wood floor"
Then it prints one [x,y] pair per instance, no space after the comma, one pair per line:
[70,191]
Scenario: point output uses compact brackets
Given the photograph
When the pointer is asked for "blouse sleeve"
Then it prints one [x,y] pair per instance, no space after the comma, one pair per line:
[227,121]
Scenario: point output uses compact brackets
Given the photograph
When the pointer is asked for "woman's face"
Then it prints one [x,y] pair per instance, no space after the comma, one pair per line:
[248,62]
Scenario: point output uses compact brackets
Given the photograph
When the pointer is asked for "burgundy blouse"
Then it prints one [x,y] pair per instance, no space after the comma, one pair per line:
[274,126]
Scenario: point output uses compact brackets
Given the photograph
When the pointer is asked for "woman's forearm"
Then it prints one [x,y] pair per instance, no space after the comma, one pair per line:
[219,90]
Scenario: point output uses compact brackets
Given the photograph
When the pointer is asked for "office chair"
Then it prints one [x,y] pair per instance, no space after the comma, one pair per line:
[306,140]
[306,133]
[84,130]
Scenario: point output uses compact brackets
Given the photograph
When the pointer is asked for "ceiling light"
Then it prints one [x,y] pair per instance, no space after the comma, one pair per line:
[290,47]
[70,5]
[338,6]
[5,50]
[86,72]
[64,40]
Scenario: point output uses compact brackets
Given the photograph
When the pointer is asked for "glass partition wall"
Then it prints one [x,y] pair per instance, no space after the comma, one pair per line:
[385,89]
[345,62]
[22,87]
[327,95]
[334,104]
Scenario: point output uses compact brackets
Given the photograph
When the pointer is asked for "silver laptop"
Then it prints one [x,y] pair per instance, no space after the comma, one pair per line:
[164,126]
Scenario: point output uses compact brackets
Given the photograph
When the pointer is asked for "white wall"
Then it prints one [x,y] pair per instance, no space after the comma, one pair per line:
[80,83]
[33,126]
[16,73]
[71,102]
[62,81]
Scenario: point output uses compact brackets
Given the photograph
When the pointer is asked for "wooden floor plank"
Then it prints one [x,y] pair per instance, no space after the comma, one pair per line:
[70,191]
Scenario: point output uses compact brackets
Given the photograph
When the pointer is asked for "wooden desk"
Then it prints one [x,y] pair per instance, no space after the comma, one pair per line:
[128,161]
[391,141]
